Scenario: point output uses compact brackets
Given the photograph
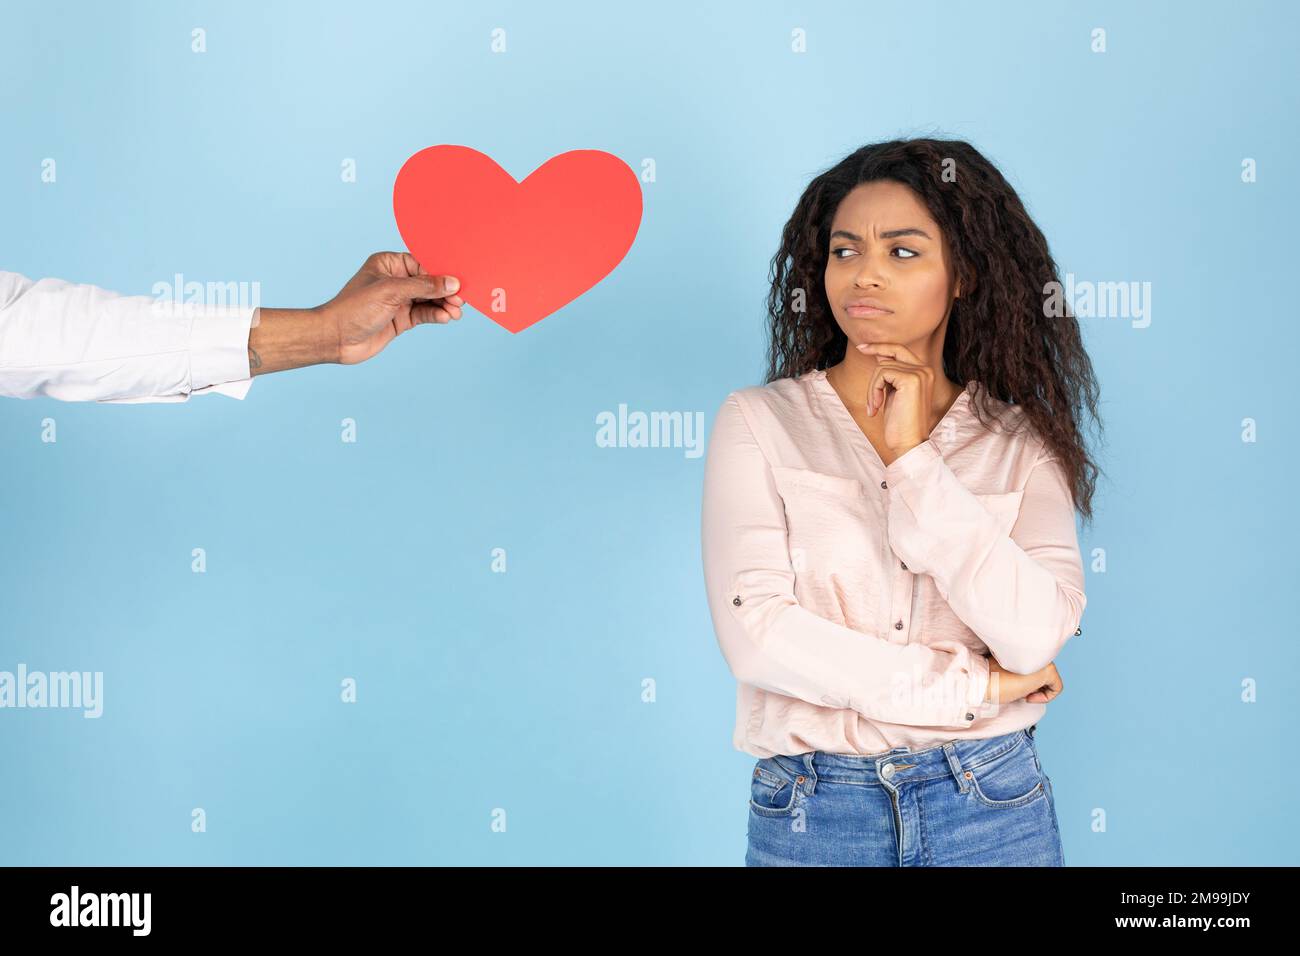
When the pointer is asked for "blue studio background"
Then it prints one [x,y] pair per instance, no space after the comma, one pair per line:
[523,690]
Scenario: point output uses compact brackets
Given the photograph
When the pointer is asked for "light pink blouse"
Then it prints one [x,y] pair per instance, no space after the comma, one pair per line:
[855,602]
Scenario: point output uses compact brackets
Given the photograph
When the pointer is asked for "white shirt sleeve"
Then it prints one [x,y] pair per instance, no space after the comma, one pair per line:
[81,343]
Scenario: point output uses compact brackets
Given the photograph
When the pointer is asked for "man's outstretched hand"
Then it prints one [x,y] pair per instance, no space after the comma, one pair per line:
[390,294]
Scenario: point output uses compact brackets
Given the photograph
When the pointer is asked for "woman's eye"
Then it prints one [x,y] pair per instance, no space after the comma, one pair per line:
[911,253]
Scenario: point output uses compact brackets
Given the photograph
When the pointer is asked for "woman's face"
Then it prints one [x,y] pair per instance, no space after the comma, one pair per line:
[885,249]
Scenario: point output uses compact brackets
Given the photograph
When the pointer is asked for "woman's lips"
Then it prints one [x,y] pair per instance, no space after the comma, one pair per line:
[866,311]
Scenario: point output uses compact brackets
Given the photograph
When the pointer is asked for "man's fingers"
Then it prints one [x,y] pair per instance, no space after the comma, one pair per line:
[410,288]
[386,264]
[394,264]
[425,313]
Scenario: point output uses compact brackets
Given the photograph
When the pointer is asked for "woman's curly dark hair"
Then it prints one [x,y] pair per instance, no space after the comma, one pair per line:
[999,331]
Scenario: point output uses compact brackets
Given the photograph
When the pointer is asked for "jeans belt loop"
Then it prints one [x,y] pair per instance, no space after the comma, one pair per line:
[954,764]
[810,781]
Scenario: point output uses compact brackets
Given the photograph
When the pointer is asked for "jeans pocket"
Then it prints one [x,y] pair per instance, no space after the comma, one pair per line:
[1009,780]
[771,792]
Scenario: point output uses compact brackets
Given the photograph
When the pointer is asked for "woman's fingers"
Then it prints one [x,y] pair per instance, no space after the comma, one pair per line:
[890,350]
[888,372]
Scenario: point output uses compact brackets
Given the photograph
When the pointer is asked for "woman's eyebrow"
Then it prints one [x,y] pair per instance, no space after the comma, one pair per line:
[888,234]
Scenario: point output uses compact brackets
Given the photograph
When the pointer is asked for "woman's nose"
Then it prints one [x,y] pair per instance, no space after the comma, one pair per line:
[868,278]
[869,273]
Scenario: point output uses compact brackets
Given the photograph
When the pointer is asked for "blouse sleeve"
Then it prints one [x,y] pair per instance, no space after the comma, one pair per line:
[1021,593]
[771,642]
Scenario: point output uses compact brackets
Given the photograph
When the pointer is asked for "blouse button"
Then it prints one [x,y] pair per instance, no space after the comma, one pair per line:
[898,625]
[1078,631]
[904,564]
[883,485]
[736,600]
[970,716]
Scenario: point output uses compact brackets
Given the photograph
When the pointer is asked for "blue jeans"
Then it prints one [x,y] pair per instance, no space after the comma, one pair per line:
[963,803]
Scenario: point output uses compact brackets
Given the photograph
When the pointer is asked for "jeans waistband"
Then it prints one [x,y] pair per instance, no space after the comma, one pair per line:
[901,764]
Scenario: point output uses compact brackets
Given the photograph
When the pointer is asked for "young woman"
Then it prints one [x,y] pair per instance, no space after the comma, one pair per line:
[888,530]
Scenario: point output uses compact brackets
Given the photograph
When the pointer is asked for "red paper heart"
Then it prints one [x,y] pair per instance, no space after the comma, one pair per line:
[520,250]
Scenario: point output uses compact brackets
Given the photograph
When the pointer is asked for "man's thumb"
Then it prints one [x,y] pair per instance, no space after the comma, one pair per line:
[408,288]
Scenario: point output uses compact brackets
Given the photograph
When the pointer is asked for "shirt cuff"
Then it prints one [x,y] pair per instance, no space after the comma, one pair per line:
[911,461]
[218,353]
[979,685]
[233,389]
[219,349]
